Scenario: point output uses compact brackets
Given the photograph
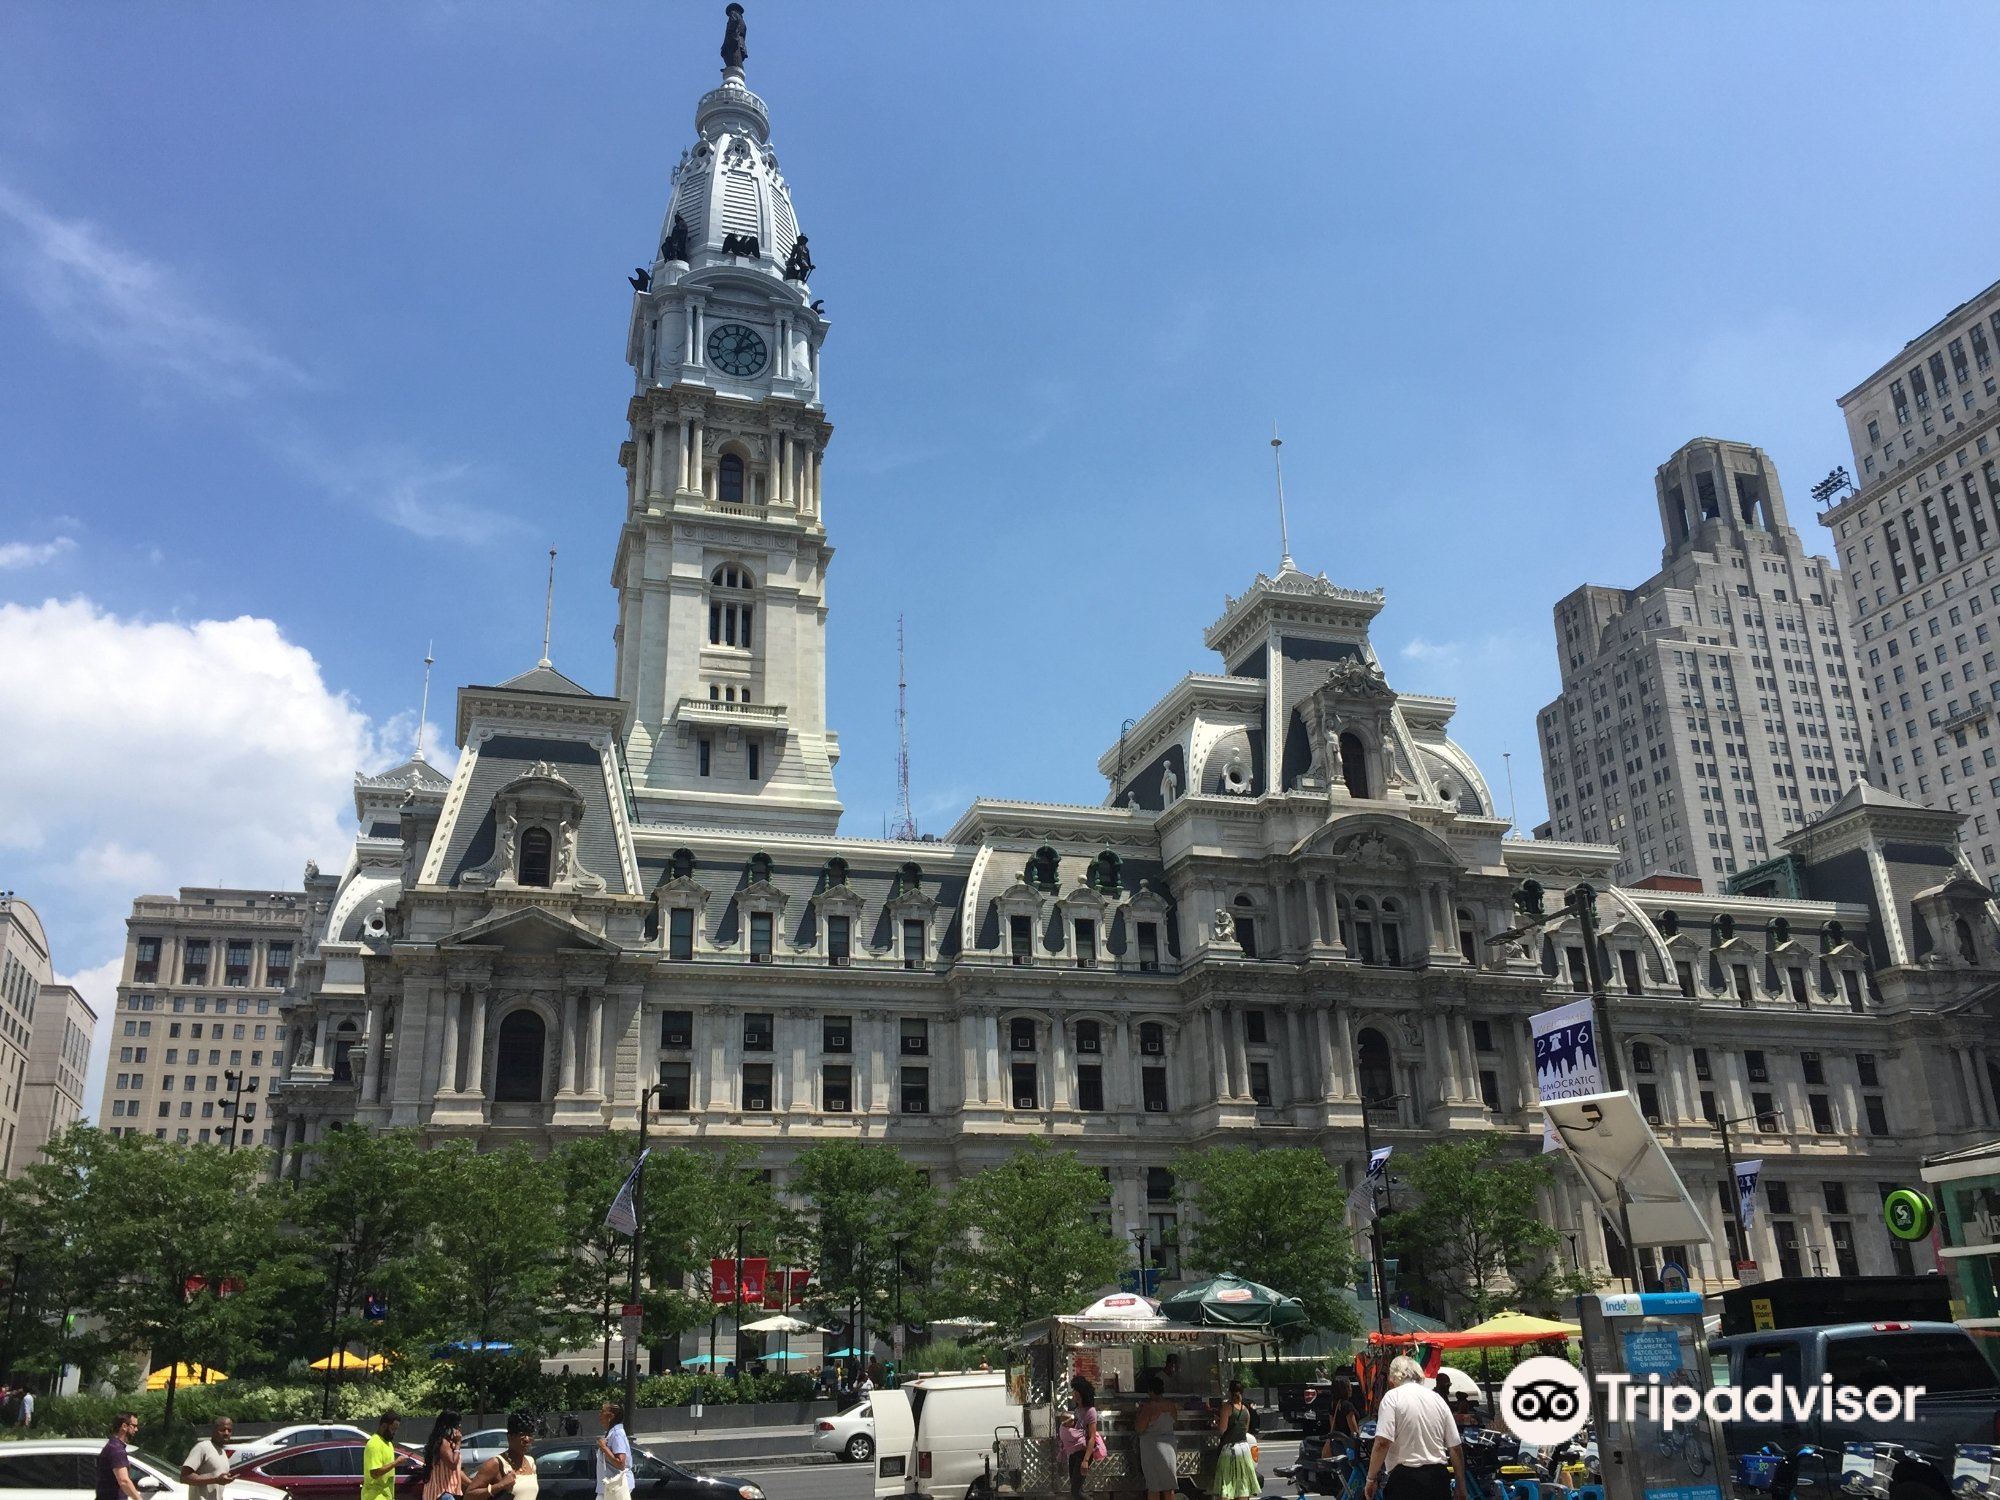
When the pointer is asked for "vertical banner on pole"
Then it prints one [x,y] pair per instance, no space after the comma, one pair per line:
[722,1281]
[1566,1060]
[1747,1173]
[755,1270]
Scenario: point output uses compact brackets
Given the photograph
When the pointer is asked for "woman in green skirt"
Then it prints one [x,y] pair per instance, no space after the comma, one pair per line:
[1235,1469]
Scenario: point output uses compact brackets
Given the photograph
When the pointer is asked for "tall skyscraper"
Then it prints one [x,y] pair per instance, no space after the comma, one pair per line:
[1708,712]
[1920,541]
[45,1032]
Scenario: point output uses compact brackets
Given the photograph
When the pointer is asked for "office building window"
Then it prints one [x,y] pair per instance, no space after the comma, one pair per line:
[1021,939]
[1149,947]
[839,941]
[1025,1092]
[913,943]
[916,1091]
[1153,1086]
[836,1034]
[1090,1088]
[676,1087]
[916,1036]
[1086,943]
[1260,1083]
[836,1089]
[1021,1034]
[677,1030]
[680,933]
[758,1029]
[757,1088]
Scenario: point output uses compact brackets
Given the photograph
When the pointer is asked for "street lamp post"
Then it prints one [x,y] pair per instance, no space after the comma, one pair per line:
[1376,1210]
[334,1347]
[1740,1246]
[638,1243]
[896,1343]
[1142,1246]
[239,1113]
[736,1331]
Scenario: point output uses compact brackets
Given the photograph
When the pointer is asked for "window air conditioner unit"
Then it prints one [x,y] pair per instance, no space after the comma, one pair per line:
[1157,1106]
[1149,966]
[1085,1045]
[1153,1049]
[1021,958]
[759,1104]
[1024,1103]
[840,961]
[1653,1120]
[1760,1075]
[914,1043]
[677,1039]
[760,958]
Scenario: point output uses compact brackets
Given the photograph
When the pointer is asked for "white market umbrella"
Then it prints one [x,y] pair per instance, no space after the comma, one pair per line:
[780,1323]
[1124,1307]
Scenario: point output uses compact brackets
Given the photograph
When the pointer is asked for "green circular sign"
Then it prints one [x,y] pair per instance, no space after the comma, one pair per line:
[1908,1213]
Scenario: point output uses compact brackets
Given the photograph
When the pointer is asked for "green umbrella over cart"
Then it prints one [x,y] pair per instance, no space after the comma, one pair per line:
[1232,1302]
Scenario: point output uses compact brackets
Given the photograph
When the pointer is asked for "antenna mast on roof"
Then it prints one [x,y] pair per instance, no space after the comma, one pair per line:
[906,824]
[424,708]
[1284,527]
[549,612]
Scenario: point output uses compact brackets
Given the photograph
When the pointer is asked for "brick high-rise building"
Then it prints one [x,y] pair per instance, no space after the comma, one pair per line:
[197,1010]
[1920,542]
[1709,712]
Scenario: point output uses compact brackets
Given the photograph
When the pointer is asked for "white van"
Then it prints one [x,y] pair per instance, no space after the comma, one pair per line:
[952,1421]
[895,1432]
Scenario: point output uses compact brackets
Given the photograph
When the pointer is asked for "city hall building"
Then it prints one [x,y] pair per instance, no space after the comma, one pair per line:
[1283,908]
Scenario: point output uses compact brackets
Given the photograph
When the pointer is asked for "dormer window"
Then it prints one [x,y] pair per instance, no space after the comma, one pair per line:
[913,943]
[537,858]
[760,867]
[1086,943]
[680,934]
[839,941]
[1021,938]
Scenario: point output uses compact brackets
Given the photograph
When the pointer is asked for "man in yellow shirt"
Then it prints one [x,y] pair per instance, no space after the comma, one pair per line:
[378,1460]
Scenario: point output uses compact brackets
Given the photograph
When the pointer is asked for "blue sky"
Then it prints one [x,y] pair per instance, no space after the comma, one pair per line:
[312,321]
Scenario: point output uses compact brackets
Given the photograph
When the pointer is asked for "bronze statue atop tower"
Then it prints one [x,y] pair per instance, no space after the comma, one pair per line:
[734,36]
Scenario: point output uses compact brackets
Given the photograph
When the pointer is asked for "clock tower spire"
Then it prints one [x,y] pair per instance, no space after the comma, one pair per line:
[721,565]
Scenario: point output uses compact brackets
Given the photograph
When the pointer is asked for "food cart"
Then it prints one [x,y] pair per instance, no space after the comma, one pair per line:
[1114,1351]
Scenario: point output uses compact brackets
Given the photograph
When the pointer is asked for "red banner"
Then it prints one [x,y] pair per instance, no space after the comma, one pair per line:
[756,1269]
[722,1281]
[783,1289]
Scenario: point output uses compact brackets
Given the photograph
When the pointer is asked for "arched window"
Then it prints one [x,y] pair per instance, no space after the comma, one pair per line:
[537,857]
[909,879]
[518,1059]
[1642,1057]
[728,615]
[729,479]
[1375,1073]
[1353,764]
[760,868]
[683,864]
[836,871]
[1468,937]
[1392,933]
[1366,943]
[1041,871]
[344,1038]
[1107,873]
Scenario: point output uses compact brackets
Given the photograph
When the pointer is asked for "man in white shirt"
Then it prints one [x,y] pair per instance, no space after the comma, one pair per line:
[1416,1441]
[205,1471]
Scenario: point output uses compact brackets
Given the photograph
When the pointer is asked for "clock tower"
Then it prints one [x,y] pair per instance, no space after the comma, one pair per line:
[721,565]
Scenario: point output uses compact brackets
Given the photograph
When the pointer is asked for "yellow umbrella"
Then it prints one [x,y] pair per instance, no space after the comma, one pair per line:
[342,1360]
[183,1375]
[1521,1326]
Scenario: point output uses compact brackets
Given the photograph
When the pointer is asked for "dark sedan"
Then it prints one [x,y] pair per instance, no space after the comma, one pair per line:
[568,1471]
[326,1471]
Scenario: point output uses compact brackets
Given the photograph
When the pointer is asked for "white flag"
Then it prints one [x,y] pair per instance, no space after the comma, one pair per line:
[621,1215]
[1362,1200]
[1746,1191]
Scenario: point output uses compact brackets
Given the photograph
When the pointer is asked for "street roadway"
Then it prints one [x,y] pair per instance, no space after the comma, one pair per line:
[803,1481]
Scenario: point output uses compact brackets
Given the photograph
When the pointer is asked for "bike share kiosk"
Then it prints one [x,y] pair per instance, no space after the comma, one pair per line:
[1653,1340]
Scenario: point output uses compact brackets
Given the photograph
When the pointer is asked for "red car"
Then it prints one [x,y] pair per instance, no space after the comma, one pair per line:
[328,1471]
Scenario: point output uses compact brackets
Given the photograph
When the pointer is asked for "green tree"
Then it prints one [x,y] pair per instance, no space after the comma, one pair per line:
[1473,1242]
[162,1216]
[1277,1217]
[870,1221]
[496,1254]
[356,1230]
[695,1200]
[1029,1245]
[55,1265]
[597,1274]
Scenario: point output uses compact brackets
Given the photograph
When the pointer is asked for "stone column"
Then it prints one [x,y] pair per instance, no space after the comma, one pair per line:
[1239,1055]
[371,1067]
[1470,1055]
[1319,1040]
[476,1068]
[448,1063]
[968,1048]
[802,1082]
[1346,1070]
[1298,1061]
[567,1022]
[1218,1051]
[1121,1091]
[774,476]
[680,451]
[995,1086]
[697,459]
[657,469]
[816,481]
[1062,1087]
[593,1040]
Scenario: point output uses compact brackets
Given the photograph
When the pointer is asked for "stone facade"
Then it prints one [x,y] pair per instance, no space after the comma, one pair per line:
[52,1090]
[198,1001]
[1920,541]
[1708,712]
[1287,902]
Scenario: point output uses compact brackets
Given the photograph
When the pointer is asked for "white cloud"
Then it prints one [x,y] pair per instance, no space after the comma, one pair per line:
[143,755]
[97,293]
[425,497]
[1444,652]
[33,554]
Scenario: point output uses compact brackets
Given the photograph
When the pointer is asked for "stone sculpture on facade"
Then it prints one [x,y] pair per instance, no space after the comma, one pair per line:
[1170,786]
[799,264]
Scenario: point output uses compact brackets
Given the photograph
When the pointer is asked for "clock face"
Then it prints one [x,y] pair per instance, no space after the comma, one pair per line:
[736,350]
